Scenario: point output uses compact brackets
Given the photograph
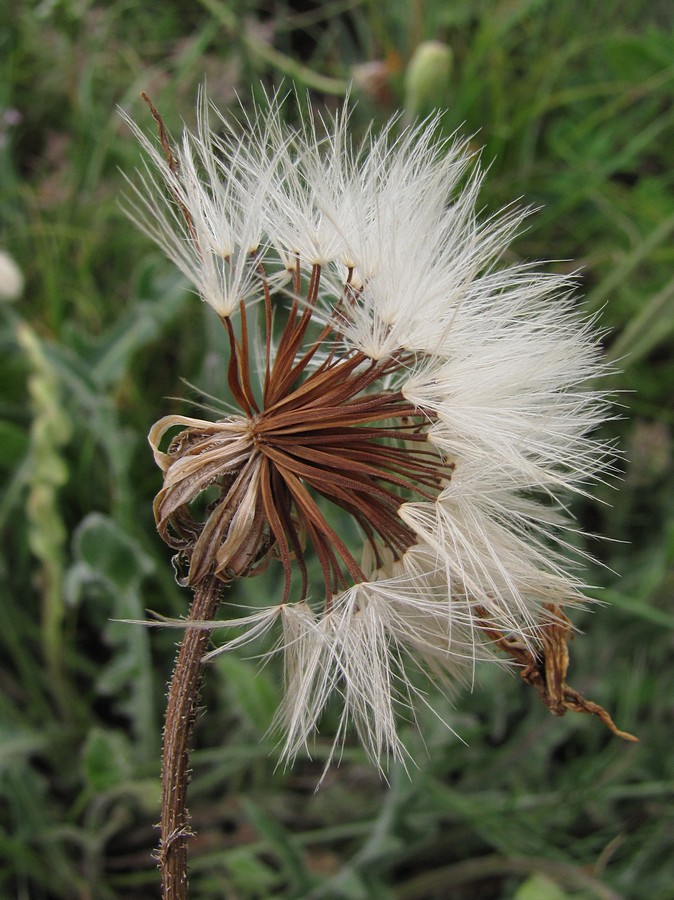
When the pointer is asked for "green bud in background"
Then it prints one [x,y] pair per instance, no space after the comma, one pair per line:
[427,77]
[11,278]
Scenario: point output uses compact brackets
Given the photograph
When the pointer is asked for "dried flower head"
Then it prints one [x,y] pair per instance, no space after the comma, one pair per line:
[386,363]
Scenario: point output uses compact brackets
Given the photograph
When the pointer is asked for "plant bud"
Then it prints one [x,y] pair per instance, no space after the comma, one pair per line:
[427,76]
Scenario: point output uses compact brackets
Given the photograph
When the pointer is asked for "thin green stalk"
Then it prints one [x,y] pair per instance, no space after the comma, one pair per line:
[264,51]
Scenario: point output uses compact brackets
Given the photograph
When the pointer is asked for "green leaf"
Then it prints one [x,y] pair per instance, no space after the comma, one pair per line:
[252,691]
[108,560]
[277,838]
[13,444]
[109,554]
[131,333]
[250,874]
[539,887]
[16,745]
[106,759]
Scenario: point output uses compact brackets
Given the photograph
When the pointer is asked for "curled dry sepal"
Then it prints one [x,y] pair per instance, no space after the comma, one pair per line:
[385,362]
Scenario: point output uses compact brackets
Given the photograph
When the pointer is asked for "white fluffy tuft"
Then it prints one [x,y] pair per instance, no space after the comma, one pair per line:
[495,356]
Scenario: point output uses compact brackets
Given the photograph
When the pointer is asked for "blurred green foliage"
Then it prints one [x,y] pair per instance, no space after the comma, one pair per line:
[573,106]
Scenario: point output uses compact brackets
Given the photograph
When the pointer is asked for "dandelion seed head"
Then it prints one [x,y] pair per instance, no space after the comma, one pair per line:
[386,363]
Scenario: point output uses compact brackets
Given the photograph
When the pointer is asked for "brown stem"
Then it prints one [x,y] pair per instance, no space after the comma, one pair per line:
[180,717]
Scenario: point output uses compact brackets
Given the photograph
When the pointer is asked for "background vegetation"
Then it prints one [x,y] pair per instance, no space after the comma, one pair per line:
[572,103]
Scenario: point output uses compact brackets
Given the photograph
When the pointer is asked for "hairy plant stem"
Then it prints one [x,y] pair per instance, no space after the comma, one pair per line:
[181,711]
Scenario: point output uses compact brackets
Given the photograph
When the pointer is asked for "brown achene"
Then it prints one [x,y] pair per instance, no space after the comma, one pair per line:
[320,424]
